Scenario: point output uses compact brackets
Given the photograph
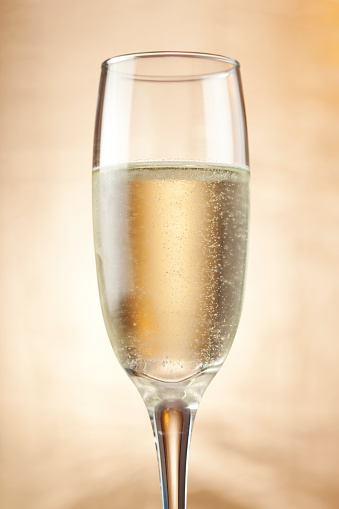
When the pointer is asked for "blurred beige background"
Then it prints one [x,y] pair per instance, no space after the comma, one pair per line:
[74,433]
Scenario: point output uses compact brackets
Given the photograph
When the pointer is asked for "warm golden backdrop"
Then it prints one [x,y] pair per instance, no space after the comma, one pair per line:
[74,433]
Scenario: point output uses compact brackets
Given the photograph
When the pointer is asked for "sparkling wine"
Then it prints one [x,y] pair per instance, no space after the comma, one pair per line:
[170,242]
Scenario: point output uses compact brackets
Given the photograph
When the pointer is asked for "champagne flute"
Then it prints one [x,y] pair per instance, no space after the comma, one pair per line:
[170,209]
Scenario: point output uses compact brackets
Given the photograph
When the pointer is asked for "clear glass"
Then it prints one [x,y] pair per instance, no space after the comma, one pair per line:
[170,211]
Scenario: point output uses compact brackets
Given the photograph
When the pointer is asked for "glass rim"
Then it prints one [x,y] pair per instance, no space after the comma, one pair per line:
[234,65]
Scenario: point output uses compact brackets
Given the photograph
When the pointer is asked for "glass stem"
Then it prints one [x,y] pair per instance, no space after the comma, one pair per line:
[172,423]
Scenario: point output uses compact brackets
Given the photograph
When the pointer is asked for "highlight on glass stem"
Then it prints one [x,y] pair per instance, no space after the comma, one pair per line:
[170,212]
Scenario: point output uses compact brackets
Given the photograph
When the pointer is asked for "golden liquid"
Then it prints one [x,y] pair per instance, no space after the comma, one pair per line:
[170,245]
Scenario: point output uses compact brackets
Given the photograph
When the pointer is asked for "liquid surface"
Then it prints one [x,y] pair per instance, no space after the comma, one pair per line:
[170,247]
